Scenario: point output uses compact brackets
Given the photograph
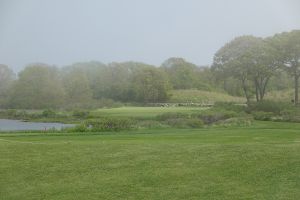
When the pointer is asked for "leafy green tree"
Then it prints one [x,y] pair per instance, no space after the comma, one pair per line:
[76,86]
[38,87]
[232,61]
[264,64]
[93,71]
[280,81]
[288,46]
[182,74]
[7,77]
[204,79]
[250,60]
[150,85]
[114,81]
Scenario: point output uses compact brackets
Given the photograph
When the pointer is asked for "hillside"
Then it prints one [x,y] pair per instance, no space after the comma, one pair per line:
[282,95]
[199,96]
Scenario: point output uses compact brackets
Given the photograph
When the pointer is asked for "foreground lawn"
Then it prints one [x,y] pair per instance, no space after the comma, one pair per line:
[262,162]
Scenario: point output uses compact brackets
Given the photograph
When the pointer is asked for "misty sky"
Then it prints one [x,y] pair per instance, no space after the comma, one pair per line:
[61,32]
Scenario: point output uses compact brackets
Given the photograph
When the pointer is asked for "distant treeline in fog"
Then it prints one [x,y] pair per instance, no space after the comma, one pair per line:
[246,66]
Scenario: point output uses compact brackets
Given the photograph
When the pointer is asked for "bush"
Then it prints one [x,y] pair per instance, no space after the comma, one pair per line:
[48,113]
[180,120]
[291,115]
[109,124]
[11,113]
[294,111]
[270,106]
[77,128]
[185,123]
[93,104]
[239,122]
[194,123]
[214,115]
[274,111]
[18,114]
[263,116]
[80,114]
[22,114]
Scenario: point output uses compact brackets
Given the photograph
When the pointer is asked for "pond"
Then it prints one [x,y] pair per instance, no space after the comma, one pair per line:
[18,125]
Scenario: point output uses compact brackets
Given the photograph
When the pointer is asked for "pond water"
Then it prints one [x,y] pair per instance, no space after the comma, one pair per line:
[18,125]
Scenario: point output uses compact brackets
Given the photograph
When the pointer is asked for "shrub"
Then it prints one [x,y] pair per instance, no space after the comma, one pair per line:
[294,111]
[11,113]
[185,123]
[270,106]
[289,116]
[18,114]
[80,114]
[238,121]
[214,115]
[77,128]
[109,124]
[180,120]
[21,114]
[274,111]
[264,116]
[48,113]
[195,123]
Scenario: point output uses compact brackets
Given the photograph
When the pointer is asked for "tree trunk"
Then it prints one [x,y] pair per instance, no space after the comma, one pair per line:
[246,91]
[263,89]
[256,93]
[296,90]
[256,90]
[260,87]
[224,85]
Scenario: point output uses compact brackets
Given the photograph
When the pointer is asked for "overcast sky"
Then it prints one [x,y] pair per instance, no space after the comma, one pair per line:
[61,32]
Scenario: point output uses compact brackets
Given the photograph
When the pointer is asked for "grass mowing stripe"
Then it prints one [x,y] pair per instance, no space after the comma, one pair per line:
[249,163]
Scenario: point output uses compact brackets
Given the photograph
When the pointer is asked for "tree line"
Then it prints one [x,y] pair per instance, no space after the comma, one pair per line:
[86,84]
[246,66]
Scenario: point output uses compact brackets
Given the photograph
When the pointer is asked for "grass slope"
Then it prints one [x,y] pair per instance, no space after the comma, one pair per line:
[283,95]
[199,96]
[262,162]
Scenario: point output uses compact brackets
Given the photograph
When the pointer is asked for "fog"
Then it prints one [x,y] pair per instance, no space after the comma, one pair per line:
[62,32]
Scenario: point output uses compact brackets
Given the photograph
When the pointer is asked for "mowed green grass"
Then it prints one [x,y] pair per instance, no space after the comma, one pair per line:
[261,162]
[143,112]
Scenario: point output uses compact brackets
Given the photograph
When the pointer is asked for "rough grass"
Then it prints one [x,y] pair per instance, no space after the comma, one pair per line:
[283,95]
[199,96]
[261,162]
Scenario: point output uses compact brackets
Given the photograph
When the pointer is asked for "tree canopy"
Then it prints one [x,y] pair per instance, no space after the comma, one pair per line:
[247,65]
[38,86]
